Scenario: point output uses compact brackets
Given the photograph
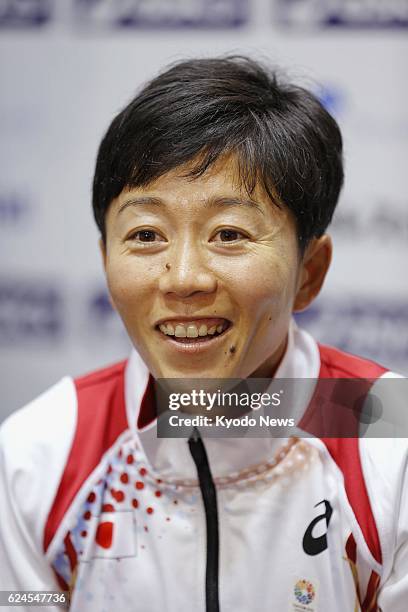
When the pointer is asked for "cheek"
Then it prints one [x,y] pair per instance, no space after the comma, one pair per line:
[128,285]
[264,285]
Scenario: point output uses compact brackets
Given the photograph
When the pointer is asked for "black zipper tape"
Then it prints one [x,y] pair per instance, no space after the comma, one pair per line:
[209,495]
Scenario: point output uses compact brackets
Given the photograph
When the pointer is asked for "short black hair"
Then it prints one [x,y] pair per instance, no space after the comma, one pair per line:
[200,109]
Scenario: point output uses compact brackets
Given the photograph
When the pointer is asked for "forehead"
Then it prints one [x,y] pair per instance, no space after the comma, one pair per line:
[180,188]
[224,173]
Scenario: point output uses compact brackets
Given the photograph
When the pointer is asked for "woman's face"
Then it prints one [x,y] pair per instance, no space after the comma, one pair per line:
[203,277]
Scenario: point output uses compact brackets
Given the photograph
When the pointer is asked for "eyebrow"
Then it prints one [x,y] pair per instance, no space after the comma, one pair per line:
[219,202]
[212,202]
[140,201]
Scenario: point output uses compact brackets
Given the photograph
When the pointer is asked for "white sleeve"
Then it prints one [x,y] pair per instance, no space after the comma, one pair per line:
[385,465]
[34,446]
[22,565]
[394,592]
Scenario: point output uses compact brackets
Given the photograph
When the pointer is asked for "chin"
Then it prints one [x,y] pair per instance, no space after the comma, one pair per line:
[198,373]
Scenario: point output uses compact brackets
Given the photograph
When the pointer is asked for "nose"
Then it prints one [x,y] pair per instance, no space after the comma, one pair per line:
[188,273]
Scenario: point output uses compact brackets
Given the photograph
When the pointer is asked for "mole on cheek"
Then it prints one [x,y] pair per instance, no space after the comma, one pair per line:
[232,349]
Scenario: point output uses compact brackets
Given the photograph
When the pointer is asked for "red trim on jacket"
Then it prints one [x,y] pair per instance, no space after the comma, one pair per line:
[338,364]
[370,603]
[346,451]
[101,418]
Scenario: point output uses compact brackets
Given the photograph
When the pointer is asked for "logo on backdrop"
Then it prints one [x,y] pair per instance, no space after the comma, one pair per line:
[39,312]
[102,323]
[161,13]
[14,209]
[29,312]
[25,13]
[371,328]
[385,221]
[343,13]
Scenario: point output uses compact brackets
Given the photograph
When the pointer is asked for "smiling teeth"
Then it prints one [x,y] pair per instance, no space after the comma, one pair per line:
[180,331]
[203,330]
[191,330]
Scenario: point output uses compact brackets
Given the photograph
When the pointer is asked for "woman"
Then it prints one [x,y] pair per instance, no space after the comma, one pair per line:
[212,192]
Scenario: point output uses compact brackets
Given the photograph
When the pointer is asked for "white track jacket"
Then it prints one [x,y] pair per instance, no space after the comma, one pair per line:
[93,502]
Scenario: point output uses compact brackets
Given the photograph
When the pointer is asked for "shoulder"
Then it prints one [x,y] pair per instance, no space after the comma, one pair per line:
[374,462]
[34,445]
[48,423]
[42,424]
[101,399]
[335,363]
[102,377]
[59,435]
[101,414]
[384,464]
[101,418]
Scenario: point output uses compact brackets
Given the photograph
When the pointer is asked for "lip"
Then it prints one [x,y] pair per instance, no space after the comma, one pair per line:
[193,348]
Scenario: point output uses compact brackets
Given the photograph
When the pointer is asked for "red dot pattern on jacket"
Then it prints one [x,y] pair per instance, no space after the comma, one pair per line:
[104,534]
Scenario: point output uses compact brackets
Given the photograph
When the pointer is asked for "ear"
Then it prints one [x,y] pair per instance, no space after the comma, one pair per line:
[103,250]
[315,263]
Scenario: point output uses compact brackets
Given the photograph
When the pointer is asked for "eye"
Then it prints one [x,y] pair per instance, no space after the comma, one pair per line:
[145,236]
[229,235]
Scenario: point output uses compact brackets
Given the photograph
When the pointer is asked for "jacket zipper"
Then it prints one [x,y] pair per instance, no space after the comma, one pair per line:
[209,495]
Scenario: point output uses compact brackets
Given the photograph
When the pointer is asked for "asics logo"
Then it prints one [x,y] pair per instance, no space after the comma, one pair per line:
[314,546]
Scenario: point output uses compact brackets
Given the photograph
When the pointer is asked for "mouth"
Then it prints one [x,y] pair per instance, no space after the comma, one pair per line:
[193,335]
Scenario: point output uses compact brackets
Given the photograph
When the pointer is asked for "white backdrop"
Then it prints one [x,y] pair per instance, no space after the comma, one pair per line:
[67,67]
